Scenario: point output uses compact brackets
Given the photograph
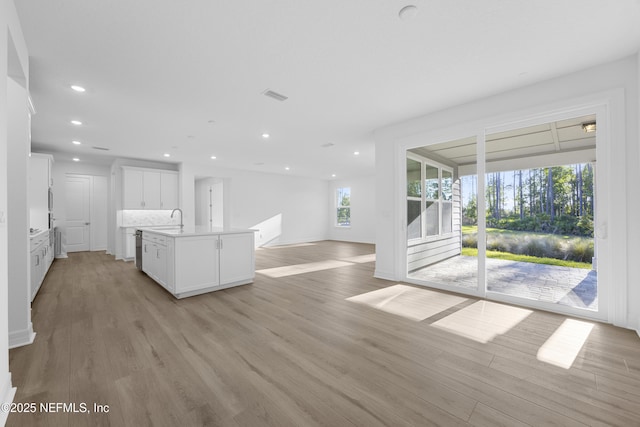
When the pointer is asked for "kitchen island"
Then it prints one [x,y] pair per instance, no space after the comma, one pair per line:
[195,260]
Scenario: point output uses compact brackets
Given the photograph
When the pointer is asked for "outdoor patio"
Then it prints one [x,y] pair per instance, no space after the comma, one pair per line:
[573,287]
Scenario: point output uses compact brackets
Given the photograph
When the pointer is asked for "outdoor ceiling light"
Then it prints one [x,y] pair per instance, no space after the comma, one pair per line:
[589,127]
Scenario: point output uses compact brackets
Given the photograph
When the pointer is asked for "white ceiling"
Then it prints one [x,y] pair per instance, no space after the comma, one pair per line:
[156,71]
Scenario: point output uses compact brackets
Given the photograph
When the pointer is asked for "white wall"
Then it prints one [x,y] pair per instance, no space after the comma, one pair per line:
[634,207]
[363,208]
[9,26]
[623,227]
[20,327]
[285,209]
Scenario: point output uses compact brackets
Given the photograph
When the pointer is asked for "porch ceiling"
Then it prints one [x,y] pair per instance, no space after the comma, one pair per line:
[556,137]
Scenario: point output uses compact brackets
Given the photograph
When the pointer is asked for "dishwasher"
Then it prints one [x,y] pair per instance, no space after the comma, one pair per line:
[139,249]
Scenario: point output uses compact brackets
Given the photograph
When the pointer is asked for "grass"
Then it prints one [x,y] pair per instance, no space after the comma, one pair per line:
[541,248]
[528,258]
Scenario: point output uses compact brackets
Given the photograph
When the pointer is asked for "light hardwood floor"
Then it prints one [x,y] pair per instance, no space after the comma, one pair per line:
[291,350]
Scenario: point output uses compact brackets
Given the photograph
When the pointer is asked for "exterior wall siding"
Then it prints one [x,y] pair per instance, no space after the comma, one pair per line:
[427,253]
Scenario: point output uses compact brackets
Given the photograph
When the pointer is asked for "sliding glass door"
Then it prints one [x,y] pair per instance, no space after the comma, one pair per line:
[508,215]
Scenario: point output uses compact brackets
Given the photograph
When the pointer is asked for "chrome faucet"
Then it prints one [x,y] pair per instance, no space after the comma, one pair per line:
[179,210]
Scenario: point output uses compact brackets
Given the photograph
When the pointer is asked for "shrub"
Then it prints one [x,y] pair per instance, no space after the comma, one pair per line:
[470,240]
[580,251]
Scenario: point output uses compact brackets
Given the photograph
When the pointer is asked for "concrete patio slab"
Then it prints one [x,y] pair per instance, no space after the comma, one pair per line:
[574,287]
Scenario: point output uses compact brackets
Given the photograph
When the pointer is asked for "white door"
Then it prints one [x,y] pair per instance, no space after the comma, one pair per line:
[78,219]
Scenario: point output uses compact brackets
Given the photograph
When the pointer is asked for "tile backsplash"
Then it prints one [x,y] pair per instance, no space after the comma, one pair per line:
[136,218]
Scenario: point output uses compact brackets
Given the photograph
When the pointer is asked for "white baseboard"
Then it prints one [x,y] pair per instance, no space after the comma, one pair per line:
[7,393]
[365,241]
[279,242]
[23,337]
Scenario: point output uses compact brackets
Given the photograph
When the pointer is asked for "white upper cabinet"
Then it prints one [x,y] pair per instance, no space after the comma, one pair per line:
[132,189]
[149,189]
[168,190]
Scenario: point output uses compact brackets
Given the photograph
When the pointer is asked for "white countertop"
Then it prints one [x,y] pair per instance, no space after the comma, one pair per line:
[39,233]
[200,230]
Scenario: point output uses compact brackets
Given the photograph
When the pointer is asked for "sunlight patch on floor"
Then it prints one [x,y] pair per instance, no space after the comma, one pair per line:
[562,348]
[407,301]
[482,321]
[361,259]
[291,270]
[297,245]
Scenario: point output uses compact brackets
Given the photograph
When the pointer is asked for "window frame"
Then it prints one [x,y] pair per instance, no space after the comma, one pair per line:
[338,206]
[423,200]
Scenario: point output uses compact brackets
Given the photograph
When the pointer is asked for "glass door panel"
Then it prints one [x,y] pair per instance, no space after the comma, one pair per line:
[539,214]
[440,202]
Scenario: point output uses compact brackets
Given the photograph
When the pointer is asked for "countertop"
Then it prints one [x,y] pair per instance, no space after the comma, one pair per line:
[38,233]
[201,230]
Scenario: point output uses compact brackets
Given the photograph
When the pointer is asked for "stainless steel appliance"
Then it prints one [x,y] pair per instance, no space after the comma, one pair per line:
[139,249]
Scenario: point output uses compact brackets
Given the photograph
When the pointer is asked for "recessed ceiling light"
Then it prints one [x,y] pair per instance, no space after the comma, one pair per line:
[333,175]
[75,159]
[78,88]
[213,157]
[76,122]
[408,12]
[76,142]
[167,155]
[356,153]
[265,135]
[287,168]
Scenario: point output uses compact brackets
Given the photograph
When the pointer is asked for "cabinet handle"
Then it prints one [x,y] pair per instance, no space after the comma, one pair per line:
[145,248]
[158,253]
[37,260]
[221,244]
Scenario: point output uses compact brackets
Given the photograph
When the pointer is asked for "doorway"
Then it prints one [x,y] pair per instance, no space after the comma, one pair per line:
[209,202]
[524,231]
[85,213]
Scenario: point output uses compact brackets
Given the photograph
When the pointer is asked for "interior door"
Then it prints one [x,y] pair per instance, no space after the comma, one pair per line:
[78,217]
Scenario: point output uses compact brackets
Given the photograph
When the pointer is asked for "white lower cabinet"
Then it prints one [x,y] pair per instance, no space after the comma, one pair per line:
[154,258]
[195,264]
[41,259]
[128,239]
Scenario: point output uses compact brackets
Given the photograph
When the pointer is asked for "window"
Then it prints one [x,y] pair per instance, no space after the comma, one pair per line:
[429,198]
[414,199]
[343,207]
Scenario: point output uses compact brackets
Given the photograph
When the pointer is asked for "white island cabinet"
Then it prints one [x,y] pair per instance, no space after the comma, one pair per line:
[197,260]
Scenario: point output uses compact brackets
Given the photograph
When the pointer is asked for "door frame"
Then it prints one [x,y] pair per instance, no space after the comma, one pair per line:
[93,208]
[610,185]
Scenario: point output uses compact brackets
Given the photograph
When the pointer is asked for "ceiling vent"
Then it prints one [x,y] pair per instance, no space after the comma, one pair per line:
[100,148]
[275,95]
[327,145]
